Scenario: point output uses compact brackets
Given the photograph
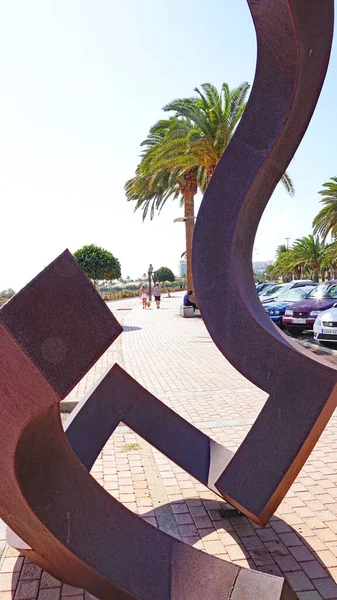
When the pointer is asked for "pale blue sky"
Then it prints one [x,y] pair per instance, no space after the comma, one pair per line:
[82,82]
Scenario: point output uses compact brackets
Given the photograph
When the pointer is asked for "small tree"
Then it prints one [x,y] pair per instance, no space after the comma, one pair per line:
[164,274]
[97,263]
[7,293]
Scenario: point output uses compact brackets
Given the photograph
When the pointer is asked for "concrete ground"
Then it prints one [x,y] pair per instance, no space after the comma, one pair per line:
[175,359]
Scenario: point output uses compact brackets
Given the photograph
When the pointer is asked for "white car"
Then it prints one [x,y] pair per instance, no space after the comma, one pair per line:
[325,326]
[276,290]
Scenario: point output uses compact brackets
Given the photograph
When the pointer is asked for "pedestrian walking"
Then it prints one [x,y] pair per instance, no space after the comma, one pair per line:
[157,293]
[143,294]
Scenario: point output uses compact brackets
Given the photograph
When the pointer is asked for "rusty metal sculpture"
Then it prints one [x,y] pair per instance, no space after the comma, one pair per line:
[48,340]
[70,526]
[294,40]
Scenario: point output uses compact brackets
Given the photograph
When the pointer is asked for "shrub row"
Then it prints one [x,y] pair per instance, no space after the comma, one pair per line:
[119,295]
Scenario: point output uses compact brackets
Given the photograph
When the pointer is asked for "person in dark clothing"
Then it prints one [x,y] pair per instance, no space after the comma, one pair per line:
[187,301]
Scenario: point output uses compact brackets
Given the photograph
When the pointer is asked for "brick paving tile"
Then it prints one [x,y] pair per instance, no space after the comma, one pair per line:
[290,539]
[333,547]
[267,535]
[48,581]
[214,547]
[300,541]
[237,552]
[301,553]
[198,511]
[280,527]
[184,519]
[326,587]
[276,548]
[309,596]
[299,582]
[8,581]
[314,569]
[327,558]
[326,535]
[271,569]
[286,563]
[261,557]
[30,571]
[314,543]
[252,543]
[12,565]
[49,594]
[27,590]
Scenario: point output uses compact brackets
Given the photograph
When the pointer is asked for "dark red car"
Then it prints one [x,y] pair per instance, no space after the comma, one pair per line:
[302,315]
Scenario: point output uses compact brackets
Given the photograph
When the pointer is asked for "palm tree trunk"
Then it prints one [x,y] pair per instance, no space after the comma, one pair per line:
[302,265]
[189,228]
[315,270]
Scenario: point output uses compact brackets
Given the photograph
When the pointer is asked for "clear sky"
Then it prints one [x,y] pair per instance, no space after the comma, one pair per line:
[82,81]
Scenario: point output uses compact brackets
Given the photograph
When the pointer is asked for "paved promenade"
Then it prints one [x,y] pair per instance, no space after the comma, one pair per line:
[175,359]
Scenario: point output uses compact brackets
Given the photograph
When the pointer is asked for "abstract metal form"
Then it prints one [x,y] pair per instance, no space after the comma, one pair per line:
[69,524]
[54,330]
[294,41]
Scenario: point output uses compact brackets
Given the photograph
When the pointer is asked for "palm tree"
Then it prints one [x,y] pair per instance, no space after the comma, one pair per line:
[325,221]
[159,177]
[284,264]
[308,251]
[182,152]
[329,258]
[215,116]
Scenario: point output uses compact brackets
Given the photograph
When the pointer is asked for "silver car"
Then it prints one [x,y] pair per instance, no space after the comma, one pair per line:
[325,326]
[276,290]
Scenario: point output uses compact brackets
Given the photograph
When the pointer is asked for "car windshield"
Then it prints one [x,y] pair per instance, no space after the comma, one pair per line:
[294,295]
[324,290]
[273,291]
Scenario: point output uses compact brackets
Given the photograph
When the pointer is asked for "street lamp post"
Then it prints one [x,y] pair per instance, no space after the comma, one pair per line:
[150,275]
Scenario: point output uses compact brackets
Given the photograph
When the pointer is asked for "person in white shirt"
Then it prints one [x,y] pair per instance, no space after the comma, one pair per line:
[157,293]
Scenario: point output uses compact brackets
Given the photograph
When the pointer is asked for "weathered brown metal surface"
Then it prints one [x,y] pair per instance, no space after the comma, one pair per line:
[69,524]
[57,327]
[294,41]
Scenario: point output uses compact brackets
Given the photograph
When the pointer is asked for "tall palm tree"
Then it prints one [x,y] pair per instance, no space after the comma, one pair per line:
[308,251]
[181,153]
[284,264]
[329,258]
[325,221]
[159,176]
[215,116]
[281,249]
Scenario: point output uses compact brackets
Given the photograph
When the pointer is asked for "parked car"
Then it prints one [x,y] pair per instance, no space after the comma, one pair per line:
[276,309]
[275,291]
[264,285]
[302,315]
[325,326]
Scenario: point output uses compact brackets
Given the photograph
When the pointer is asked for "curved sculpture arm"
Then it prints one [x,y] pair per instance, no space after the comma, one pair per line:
[293,43]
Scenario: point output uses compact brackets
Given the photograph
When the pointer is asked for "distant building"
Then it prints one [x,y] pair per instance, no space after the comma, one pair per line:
[260,266]
[182,267]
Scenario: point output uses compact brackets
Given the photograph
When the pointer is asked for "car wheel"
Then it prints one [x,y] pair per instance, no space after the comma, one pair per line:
[295,330]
